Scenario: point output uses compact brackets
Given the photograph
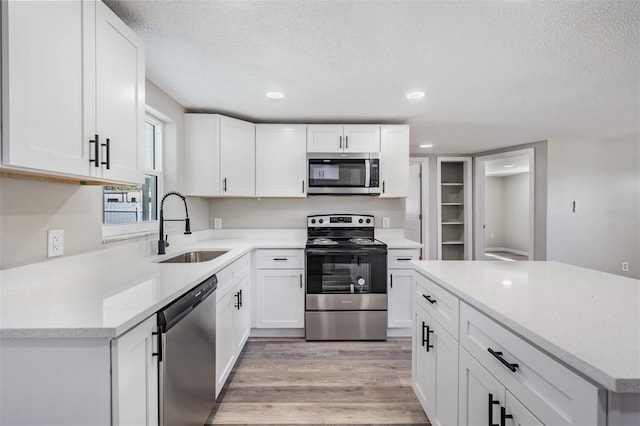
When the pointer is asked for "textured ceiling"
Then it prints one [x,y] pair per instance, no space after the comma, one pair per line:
[497,73]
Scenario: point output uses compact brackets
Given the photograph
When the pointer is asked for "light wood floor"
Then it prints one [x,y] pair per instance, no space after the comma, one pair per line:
[291,381]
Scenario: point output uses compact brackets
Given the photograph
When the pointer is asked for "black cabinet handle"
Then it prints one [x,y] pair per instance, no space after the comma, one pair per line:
[340,142]
[504,416]
[498,355]
[429,299]
[429,345]
[224,184]
[237,304]
[96,151]
[240,298]
[491,404]
[383,187]
[107,145]
[159,353]
[391,281]
[424,328]
[346,142]
[403,258]
[300,280]
[280,259]
[303,186]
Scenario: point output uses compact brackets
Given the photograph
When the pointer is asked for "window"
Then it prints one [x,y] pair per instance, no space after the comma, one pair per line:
[127,205]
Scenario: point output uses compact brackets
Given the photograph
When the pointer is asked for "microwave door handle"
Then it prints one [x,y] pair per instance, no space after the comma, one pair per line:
[367,173]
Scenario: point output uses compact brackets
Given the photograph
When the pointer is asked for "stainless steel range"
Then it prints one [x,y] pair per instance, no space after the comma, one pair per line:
[346,296]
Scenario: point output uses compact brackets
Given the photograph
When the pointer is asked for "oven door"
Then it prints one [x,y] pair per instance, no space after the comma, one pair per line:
[341,280]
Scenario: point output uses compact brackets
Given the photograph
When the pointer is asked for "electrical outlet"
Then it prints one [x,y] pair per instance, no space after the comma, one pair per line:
[55,242]
[217,223]
[386,222]
[625,266]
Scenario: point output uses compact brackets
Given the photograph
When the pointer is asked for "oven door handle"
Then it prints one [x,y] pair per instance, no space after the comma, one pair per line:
[363,251]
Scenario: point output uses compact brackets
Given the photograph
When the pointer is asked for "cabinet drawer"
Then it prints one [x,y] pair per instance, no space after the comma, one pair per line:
[439,303]
[400,258]
[280,259]
[552,392]
[230,275]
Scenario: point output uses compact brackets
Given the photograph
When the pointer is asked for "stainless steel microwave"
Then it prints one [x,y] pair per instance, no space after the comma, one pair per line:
[343,173]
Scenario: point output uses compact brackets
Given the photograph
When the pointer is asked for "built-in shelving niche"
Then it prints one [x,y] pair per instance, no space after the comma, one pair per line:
[454,208]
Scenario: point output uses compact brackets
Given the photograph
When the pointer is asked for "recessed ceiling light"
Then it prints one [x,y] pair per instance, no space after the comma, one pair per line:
[508,166]
[275,95]
[426,145]
[415,95]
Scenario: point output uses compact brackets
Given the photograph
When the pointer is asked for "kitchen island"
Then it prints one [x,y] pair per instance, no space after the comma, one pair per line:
[562,340]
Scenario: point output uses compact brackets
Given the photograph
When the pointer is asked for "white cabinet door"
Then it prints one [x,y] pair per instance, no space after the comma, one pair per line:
[280,298]
[394,161]
[119,97]
[362,138]
[280,160]
[135,376]
[325,138]
[421,361]
[436,370]
[241,314]
[225,342]
[520,416]
[446,376]
[45,89]
[476,389]
[400,292]
[202,155]
[237,157]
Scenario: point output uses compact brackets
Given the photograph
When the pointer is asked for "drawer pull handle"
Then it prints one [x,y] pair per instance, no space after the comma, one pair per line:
[492,402]
[498,355]
[504,416]
[280,259]
[424,327]
[429,299]
[403,258]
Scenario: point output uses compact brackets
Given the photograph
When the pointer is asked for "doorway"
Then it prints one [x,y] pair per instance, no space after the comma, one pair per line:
[505,206]
[416,212]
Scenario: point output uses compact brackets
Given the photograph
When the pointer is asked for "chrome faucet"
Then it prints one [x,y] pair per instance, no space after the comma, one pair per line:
[163,242]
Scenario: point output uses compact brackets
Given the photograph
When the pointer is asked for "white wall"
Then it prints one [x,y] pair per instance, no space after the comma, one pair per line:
[292,212]
[603,177]
[516,212]
[494,212]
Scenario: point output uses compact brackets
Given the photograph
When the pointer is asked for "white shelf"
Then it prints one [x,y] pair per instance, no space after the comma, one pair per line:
[451,243]
[452,184]
[453,223]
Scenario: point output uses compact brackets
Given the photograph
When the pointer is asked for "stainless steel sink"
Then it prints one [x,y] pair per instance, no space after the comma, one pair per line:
[195,256]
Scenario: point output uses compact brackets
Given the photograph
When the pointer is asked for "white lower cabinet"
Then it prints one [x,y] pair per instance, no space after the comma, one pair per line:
[233,317]
[280,289]
[135,376]
[399,289]
[483,399]
[500,378]
[280,298]
[435,369]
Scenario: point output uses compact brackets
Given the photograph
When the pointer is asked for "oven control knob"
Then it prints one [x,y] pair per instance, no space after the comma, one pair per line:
[368,220]
[360,221]
[320,220]
[361,281]
[313,221]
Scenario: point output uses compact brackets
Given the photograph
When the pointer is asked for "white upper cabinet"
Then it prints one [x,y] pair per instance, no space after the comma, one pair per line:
[394,161]
[119,97]
[219,156]
[280,160]
[73,70]
[343,138]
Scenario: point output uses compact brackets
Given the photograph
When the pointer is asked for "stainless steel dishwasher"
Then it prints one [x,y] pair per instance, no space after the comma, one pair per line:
[187,385]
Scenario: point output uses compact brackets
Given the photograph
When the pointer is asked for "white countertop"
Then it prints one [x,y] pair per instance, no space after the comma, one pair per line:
[587,319]
[105,293]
